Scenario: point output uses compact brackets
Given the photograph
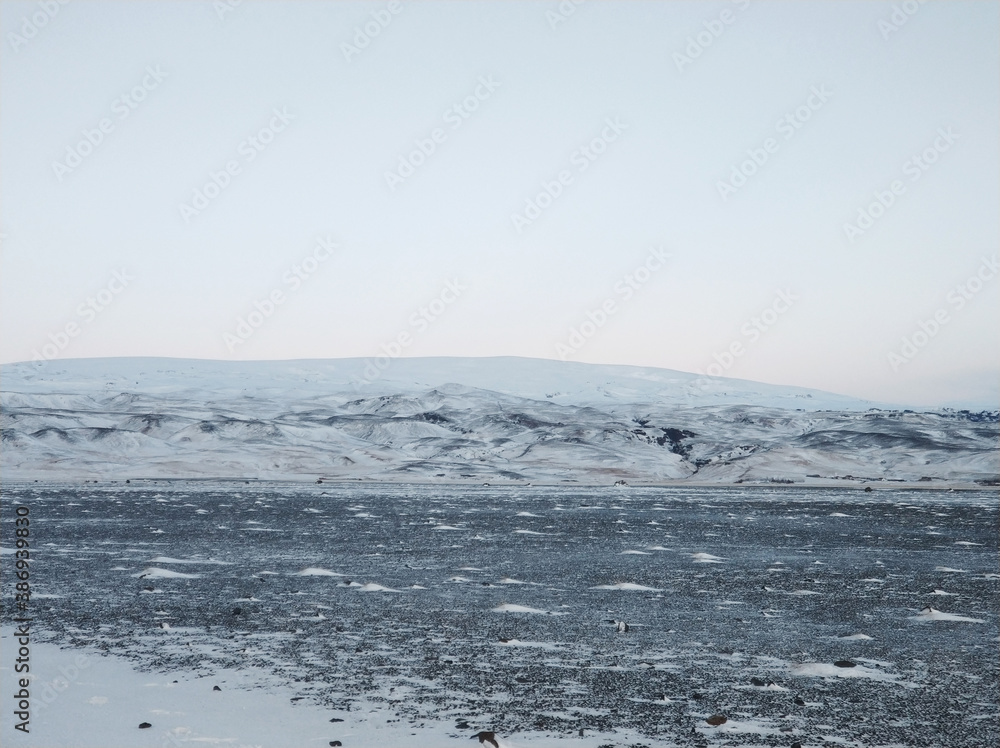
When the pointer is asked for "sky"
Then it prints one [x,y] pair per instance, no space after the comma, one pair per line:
[801,193]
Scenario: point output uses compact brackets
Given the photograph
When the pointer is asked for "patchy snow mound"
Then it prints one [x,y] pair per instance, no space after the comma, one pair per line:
[932,614]
[826,670]
[706,558]
[628,586]
[511,608]
[372,587]
[154,572]
[315,571]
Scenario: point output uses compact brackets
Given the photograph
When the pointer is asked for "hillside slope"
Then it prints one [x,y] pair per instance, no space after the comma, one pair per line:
[497,419]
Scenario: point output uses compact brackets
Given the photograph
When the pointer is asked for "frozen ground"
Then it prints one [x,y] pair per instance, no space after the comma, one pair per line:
[420,616]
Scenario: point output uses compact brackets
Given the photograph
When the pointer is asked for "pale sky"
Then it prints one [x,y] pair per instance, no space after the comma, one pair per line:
[637,116]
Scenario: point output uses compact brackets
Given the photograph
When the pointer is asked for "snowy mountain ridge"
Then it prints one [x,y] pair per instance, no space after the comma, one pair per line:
[498,420]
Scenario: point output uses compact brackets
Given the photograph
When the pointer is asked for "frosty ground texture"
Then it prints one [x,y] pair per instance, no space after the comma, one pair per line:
[495,608]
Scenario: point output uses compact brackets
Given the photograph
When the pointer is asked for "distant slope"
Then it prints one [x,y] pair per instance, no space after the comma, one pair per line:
[445,419]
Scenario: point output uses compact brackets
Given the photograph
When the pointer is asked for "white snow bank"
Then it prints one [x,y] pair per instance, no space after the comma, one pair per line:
[154,572]
[315,571]
[511,608]
[826,670]
[706,558]
[629,586]
[372,587]
[932,614]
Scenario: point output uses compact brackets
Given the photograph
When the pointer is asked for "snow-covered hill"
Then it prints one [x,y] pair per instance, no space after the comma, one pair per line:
[497,420]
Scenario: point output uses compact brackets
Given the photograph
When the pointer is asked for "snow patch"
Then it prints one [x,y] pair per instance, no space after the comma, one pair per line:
[932,614]
[511,608]
[154,572]
[627,586]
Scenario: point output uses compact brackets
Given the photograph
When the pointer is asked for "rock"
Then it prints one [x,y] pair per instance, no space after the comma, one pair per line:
[697,695]
[144,725]
[799,701]
[487,737]
[717,719]
[237,611]
[335,743]
[757,682]
[845,663]
[336,719]
[796,744]
[216,688]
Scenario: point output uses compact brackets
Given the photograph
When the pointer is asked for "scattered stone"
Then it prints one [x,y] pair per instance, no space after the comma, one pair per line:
[144,725]
[845,663]
[717,719]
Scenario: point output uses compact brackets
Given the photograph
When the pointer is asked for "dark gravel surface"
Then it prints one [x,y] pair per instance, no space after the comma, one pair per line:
[725,638]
